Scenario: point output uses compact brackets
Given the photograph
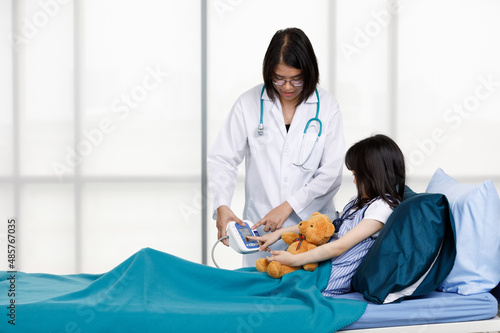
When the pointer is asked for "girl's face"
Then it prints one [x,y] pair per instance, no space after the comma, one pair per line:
[288,92]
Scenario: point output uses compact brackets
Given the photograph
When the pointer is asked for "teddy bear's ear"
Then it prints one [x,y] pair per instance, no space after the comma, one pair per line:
[330,229]
[316,213]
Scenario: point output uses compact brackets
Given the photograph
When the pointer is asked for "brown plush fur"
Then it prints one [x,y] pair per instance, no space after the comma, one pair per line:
[317,230]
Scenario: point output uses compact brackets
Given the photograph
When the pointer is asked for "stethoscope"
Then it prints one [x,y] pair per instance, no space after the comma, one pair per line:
[316,119]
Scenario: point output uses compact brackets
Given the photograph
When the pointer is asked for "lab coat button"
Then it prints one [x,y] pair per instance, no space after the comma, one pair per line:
[285,179]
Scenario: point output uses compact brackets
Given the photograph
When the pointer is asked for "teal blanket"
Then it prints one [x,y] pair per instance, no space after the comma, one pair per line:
[156,292]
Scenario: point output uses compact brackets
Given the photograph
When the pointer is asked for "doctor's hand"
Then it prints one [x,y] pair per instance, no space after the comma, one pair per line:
[224,216]
[275,218]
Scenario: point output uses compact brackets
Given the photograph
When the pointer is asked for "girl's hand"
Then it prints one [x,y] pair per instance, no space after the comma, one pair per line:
[284,258]
[276,217]
[266,240]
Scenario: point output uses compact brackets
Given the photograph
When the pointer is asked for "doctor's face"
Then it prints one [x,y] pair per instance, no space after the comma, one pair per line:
[288,92]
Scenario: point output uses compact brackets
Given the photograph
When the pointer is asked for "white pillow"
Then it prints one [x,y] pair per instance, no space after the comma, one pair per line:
[476,211]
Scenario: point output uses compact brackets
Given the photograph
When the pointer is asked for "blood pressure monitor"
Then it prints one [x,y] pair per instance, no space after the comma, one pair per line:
[238,237]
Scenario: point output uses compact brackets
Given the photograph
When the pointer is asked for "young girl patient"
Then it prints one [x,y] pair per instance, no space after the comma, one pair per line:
[378,167]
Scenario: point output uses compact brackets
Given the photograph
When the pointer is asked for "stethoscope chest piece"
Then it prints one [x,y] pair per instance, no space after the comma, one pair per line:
[261,130]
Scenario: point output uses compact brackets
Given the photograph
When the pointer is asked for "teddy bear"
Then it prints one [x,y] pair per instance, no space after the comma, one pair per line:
[316,231]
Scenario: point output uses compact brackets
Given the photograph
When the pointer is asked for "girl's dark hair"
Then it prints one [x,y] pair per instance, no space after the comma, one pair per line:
[292,48]
[379,168]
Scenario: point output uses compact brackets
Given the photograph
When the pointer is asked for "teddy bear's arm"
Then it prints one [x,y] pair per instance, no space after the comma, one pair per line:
[310,246]
[289,237]
[312,266]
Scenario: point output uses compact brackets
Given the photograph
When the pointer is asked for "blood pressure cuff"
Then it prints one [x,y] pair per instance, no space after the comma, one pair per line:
[413,253]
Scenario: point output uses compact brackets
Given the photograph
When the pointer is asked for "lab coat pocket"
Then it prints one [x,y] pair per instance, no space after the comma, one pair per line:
[262,143]
[309,154]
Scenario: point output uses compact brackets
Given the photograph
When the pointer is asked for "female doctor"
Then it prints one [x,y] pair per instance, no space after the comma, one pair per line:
[290,132]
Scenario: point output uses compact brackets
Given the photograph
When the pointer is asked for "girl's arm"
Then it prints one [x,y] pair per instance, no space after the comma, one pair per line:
[363,230]
[267,240]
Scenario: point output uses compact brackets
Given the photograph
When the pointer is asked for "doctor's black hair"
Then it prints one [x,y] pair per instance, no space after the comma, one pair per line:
[379,169]
[291,47]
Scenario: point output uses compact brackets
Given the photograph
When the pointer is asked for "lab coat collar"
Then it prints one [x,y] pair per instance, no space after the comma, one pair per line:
[265,96]
[278,115]
[313,98]
[276,112]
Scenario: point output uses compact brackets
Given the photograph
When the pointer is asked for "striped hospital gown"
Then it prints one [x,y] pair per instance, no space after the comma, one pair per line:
[344,266]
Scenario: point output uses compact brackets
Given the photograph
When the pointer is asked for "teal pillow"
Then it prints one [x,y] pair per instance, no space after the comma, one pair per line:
[476,212]
[413,253]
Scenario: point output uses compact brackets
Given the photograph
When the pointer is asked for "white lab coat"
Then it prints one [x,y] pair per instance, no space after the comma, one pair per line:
[271,177]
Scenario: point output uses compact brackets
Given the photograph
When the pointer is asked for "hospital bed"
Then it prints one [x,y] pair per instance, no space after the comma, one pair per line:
[436,312]
[153,291]
[156,292]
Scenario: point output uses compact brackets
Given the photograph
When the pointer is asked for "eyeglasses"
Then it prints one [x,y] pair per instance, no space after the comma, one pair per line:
[295,83]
